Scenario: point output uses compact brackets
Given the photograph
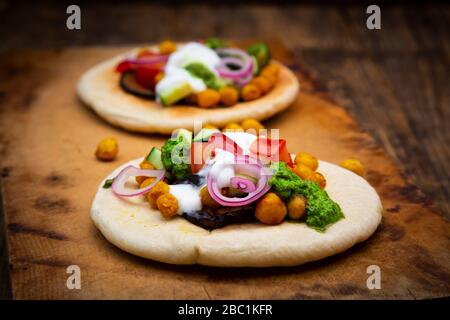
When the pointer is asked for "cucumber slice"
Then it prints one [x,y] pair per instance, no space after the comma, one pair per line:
[175,93]
[186,134]
[255,66]
[204,134]
[154,157]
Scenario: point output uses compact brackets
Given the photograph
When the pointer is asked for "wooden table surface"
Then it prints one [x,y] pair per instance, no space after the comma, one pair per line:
[394,81]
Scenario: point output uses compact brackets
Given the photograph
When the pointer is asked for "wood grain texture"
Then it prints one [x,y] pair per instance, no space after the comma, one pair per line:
[393,81]
[48,140]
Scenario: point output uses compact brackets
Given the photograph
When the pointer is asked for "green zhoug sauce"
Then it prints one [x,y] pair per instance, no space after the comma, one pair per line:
[321,211]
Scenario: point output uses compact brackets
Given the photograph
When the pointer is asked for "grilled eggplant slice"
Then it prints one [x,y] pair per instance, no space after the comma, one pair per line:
[128,84]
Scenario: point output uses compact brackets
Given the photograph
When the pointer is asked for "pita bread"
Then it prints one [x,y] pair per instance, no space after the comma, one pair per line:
[99,89]
[133,226]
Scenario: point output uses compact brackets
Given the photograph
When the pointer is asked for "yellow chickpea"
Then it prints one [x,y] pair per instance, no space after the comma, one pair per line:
[303,171]
[353,165]
[207,200]
[210,126]
[208,98]
[270,209]
[254,124]
[262,83]
[229,96]
[296,206]
[144,165]
[307,159]
[233,126]
[319,179]
[107,149]
[270,76]
[158,190]
[168,205]
[146,182]
[167,47]
[250,92]
[159,76]
[273,68]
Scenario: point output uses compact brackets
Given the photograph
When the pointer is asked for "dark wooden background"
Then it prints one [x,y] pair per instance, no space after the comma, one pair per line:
[395,81]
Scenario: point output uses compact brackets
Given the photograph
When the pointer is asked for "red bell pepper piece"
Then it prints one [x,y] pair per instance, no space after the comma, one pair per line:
[274,150]
[220,141]
[124,66]
[201,151]
[145,75]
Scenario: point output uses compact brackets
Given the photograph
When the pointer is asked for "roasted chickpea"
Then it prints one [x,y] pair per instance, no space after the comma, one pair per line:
[207,200]
[107,149]
[167,47]
[273,68]
[144,165]
[254,124]
[208,98]
[262,83]
[296,206]
[233,126]
[250,92]
[210,126]
[353,165]
[307,159]
[272,78]
[168,205]
[229,96]
[146,182]
[270,209]
[159,76]
[319,179]
[159,189]
[303,171]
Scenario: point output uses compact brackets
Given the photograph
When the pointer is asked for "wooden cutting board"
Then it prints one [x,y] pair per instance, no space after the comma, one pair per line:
[50,176]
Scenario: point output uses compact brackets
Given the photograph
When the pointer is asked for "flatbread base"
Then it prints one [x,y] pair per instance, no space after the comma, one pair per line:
[99,89]
[130,224]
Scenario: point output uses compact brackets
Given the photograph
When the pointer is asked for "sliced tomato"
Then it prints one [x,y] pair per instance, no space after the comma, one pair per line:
[124,66]
[273,150]
[141,62]
[202,151]
[145,75]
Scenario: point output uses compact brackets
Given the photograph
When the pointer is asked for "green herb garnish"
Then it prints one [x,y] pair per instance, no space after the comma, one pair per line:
[108,183]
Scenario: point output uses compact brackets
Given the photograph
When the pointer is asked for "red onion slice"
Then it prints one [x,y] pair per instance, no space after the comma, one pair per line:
[118,186]
[239,58]
[261,187]
[242,184]
[148,60]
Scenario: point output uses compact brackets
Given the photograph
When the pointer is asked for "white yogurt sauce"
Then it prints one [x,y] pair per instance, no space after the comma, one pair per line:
[174,71]
[188,195]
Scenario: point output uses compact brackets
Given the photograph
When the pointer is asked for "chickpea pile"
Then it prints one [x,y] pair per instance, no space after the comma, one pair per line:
[230,95]
[305,166]
[248,125]
[159,198]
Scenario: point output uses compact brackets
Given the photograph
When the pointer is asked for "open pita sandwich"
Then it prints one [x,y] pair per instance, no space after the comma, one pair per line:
[233,200]
[169,86]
